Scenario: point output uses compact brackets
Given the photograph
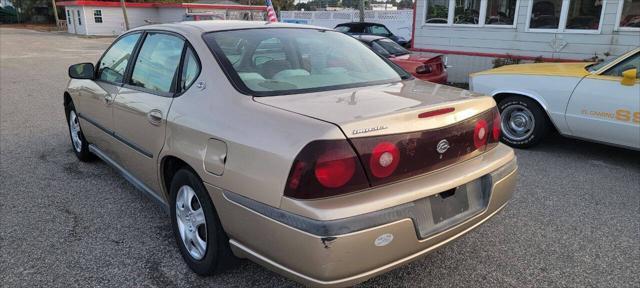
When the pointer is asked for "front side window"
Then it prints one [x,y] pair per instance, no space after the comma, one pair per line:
[584,14]
[437,12]
[157,63]
[97,16]
[114,62]
[500,12]
[467,12]
[190,70]
[630,14]
[314,60]
[632,62]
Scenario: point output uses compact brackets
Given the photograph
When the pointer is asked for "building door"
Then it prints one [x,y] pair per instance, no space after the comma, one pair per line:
[71,21]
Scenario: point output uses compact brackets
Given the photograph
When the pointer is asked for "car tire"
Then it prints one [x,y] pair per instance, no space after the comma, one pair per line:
[79,144]
[194,219]
[524,122]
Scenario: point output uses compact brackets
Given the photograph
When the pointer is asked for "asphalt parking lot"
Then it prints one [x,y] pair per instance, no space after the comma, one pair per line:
[573,222]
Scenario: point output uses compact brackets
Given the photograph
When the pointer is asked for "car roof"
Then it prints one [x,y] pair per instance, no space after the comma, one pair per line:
[360,23]
[221,25]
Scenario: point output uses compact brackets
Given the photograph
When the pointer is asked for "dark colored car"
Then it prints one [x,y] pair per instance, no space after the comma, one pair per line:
[367,28]
[429,68]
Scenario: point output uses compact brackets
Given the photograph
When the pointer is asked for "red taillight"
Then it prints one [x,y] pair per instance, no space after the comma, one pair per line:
[385,158]
[423,69]
[335,168]
[325,168]
[496,126]
[480,134]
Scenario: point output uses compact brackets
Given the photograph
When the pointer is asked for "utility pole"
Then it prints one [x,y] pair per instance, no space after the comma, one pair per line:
[361,10]
[55,13]
[124,12]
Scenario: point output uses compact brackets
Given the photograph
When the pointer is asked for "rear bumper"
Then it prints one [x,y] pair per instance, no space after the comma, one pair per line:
[339,253]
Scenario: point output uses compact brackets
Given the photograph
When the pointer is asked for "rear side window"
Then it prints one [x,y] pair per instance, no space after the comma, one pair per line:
[157,63]
[190,70]
[114,62]
[379,30]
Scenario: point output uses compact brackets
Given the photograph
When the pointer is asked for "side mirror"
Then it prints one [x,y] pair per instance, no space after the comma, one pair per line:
[82,71]
[629,77]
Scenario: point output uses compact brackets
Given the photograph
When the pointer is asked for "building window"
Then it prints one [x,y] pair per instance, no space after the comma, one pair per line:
[437,11]
[565,15]
[471,12]
[501,12]
[467,12]
[545,14]
[584,14]
[79,21]
[69,17]
[629,14]
[97,16]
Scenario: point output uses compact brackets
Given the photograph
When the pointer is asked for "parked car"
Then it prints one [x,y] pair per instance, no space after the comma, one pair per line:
[428,68]
[290,145]
[599,102]
[367,28]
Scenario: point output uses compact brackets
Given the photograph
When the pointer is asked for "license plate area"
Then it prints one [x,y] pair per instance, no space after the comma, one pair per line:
[452,207]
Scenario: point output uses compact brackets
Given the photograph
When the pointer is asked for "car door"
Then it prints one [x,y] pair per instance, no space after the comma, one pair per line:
[96,97]
[141,107]
[604,109]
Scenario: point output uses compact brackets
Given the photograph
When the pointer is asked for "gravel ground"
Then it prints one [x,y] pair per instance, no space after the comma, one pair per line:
[574,220]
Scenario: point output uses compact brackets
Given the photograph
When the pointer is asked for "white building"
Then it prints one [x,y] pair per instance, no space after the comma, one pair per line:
[475,32]
[106,18]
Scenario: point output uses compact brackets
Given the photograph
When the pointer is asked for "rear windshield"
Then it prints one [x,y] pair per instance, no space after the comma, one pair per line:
[278,61]
[391,48]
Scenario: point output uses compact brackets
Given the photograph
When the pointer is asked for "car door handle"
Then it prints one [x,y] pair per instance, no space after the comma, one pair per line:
[155,117]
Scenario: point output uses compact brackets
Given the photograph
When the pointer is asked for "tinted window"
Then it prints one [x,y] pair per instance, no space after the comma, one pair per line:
[157,62]
[632,62]
[391,47]
[342,29]
[316,60]
[190,70]
[114,62]
[379,30]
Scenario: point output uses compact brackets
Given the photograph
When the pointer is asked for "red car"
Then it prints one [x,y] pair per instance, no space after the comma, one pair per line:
[430,69]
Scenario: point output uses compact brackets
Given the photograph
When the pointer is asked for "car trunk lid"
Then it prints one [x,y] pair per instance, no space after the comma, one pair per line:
[423,126]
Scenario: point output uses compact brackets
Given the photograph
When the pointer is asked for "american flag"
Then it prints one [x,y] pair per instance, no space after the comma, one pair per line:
[271,14]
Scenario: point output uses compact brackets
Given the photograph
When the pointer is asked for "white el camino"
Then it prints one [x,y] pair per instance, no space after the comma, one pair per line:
[598,102]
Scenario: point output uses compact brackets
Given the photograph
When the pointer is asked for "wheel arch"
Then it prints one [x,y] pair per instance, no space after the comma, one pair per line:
[67,98]
[499,96]
[169,165]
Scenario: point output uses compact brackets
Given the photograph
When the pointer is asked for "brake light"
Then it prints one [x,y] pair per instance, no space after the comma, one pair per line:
[325,168]
[335,168]
[480,134]
[423,69]
[496,126]
[385,158]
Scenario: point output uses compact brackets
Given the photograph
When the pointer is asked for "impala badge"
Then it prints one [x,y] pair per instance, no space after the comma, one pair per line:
[367,130]
[442,146]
